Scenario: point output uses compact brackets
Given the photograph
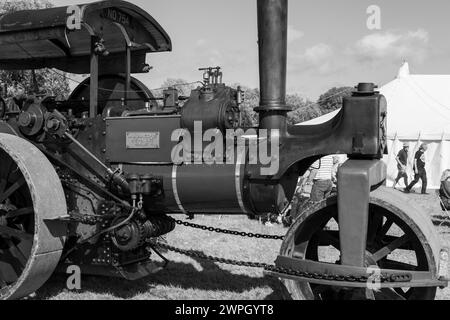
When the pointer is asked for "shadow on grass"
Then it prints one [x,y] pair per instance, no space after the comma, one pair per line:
[177,274]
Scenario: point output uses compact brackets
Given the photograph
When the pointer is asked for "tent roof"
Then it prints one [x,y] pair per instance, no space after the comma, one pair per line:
[418,106]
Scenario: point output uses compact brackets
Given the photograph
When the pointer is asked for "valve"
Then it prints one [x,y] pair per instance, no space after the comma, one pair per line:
[212,75]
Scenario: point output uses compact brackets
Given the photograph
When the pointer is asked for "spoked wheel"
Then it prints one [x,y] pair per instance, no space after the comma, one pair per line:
[31,196]
[399,237]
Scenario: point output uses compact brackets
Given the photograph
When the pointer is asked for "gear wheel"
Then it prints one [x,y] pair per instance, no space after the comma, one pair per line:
[130,236]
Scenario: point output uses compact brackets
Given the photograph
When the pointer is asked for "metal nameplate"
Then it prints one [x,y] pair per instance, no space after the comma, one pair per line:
[142,140]
[117,16]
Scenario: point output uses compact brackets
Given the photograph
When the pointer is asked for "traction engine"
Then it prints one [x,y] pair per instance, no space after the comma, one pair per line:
[93,180]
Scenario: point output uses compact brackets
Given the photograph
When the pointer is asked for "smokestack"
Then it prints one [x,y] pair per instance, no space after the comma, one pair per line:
[272,34]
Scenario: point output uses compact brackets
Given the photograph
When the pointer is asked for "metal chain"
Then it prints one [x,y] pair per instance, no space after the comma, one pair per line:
[268,267]
[203,256]
[230,232]
[383,278]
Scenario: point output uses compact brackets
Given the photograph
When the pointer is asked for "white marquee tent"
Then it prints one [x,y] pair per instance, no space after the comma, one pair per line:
[418,112]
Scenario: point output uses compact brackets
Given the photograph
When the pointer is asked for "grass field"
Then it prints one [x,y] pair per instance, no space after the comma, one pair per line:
[189,279]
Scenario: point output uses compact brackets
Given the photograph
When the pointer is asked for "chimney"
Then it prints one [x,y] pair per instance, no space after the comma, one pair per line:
[272,35]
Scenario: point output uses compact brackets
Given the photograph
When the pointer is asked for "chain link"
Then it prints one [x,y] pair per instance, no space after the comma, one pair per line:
[383,278]
[92,220]
[230,232]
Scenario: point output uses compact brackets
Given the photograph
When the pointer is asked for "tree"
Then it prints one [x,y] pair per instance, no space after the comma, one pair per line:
[333,99]
[303,109]
[8,6]
[183,87]
[46,81]
[249,116]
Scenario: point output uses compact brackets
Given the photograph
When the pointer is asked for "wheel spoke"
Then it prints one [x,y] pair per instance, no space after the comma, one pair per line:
[385,251]
[375,224]
[17,253]
[396,265]
[2,280]
[402,292]
[329,238]
[5,171]
[405,246]
[3,183]
[384,230]
[19,212]
[10,232]
[5,195]
[388,294]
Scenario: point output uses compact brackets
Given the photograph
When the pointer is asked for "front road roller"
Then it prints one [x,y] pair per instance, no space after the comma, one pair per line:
[340,249]
[31,198]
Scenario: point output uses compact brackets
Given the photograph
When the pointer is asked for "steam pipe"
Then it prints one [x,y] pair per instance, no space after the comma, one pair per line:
[272,34]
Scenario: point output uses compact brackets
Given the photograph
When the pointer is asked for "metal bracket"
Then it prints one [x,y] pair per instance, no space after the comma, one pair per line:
[337,275]
[356,178]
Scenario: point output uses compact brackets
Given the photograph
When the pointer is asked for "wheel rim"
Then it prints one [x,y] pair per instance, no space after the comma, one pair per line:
[16,223]
[30,196]
[393,242]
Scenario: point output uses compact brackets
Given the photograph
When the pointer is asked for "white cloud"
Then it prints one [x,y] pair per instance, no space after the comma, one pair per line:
[318,53]
[411,45]
[294,34]
[318,58]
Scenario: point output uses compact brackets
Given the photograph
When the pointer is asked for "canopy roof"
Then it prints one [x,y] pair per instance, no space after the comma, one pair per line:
[418,106]
[34,39]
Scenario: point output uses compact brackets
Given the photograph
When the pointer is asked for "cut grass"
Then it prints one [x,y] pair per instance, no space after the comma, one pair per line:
[193,279]
[186,278]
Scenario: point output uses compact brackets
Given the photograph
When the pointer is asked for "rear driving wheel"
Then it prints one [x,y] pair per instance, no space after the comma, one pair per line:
[399,237]
[31,196]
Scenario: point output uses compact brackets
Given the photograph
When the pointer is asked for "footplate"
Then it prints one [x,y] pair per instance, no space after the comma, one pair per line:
[350,276]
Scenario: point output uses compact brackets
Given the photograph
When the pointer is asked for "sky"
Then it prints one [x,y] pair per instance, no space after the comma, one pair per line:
[329,45]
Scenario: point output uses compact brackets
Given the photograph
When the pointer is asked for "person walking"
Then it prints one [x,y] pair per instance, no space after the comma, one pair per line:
[322,176]
[419,170]
[335,169]
[402,164]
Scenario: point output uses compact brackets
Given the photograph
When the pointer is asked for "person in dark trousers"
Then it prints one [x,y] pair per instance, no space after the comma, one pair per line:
[402,163]
[419,170]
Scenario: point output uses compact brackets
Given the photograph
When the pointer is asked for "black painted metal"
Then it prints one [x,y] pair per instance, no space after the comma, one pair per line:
[41,28]
[272,35]
[93,85]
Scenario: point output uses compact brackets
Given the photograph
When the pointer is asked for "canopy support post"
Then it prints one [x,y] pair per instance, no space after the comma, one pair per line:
[93,86]
[128,45]
[127,73]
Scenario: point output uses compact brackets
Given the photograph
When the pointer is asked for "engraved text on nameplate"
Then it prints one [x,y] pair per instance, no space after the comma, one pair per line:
[142,140]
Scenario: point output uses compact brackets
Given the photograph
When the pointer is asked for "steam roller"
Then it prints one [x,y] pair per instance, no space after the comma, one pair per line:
[95,180]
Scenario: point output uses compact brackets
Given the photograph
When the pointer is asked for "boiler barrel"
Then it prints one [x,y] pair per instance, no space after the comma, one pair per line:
[197,188]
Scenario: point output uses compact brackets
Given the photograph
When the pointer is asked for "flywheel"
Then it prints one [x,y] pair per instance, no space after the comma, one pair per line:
[399,237]
[31,198]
